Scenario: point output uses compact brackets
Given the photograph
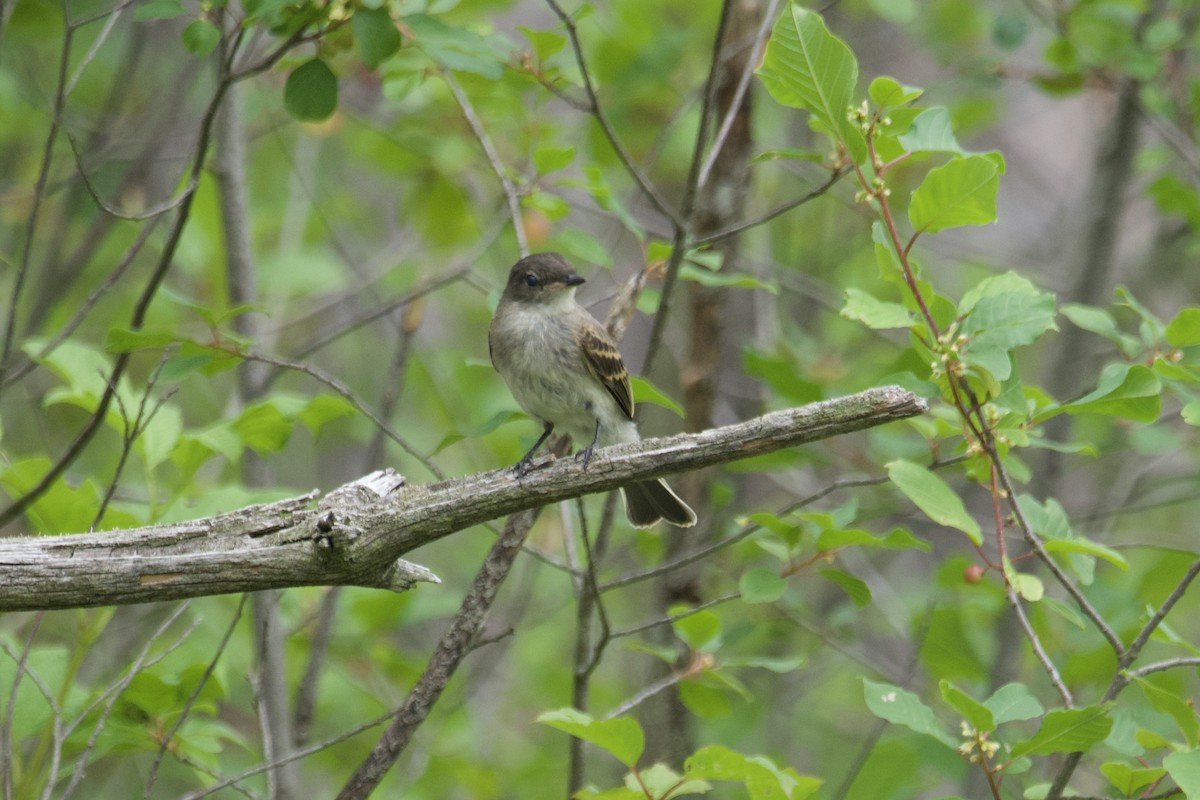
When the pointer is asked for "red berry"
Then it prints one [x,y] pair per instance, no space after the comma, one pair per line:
[973,574]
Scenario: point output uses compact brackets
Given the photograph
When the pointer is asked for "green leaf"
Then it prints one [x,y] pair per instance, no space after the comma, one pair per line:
[491,424]
[931,132]
[664,783]
[583,245]
[545,43]
[1132,391]
[458,48]
[1012,702]
[311,91]
[761,777]
[375,35]
[701,630]
[1128,779]
[1100,322]
[646,392]
[960,192]
[854,587]
[323,408]
[263,427]
[1184,329]
[807,67]
[62,508]
[1178,708]
[875,314]
[725,279]
[1066,731]
[934,496]
[902,707]
[761,586]
[897,539]
[621,736]
[1184,769]
[549,159]
[886,91]
[705,701]
[200,37]
[977,714]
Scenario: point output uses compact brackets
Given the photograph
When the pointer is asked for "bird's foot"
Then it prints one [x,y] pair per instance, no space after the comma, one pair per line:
[585,455]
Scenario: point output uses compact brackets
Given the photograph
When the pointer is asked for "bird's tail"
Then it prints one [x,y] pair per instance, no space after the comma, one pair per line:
[647,502]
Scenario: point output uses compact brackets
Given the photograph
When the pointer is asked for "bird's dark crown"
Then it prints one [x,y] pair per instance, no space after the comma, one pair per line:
[533,275]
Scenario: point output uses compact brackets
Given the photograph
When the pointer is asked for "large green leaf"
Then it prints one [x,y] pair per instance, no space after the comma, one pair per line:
[934,496]
[960,192]
[1184,769]
[977,714]
[807,67]
[1067,730]
[902,707]
[621,736]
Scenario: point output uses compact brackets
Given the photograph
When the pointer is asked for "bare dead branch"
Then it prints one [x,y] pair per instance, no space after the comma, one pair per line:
[356,534]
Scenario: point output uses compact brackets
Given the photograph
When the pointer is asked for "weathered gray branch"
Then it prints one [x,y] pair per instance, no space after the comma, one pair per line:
[356,534]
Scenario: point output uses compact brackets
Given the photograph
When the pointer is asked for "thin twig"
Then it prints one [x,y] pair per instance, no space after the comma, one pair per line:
[340,388]
[454,646]
[493,157]
[764,30]
[134,668]
[597,110]
[39,193]
[6,744]
[193,697]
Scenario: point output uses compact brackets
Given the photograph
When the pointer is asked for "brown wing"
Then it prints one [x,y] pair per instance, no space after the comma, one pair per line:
[604,361]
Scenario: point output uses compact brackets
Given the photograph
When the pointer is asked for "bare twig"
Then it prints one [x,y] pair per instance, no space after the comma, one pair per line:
[453,647]
[493,157]
[597,110]
[191,701]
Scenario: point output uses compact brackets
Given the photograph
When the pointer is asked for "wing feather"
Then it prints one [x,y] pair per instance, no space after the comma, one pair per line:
[603,360]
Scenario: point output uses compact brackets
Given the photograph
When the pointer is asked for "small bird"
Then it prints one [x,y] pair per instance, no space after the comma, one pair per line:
[564,369]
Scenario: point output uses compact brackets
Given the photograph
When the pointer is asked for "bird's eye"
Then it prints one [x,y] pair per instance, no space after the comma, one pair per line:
[531,279]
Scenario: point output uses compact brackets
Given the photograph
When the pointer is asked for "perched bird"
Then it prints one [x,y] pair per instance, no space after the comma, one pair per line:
[565,370]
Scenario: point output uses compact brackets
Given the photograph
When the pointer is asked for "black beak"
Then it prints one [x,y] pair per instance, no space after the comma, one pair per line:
[574,280]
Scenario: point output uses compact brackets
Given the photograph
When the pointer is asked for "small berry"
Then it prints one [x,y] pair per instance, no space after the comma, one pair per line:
[973,574]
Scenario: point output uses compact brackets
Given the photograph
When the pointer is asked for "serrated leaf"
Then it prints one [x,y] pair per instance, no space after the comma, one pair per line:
[977,714]
[902,707]
[311,91]
[621,736]
[375,35]
[875,314]
[934,496]
[806,66]
[960,192]
[1067,730]
[761,586]
[1012,702]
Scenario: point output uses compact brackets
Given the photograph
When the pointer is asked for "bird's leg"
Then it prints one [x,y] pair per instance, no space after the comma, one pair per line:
[586,453]
[527,459]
